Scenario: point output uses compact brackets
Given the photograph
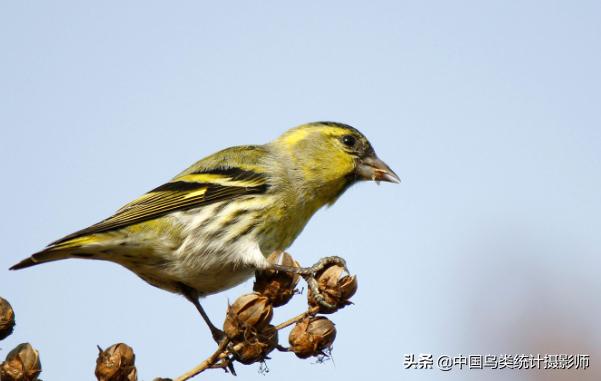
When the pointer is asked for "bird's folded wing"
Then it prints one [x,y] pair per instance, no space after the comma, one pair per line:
[188,190]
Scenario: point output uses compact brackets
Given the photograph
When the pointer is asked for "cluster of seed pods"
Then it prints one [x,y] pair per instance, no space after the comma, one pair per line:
[248,325]
[248,320]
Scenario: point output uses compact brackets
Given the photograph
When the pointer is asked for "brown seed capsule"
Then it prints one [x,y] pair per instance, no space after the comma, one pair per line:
[22,364]
[278,286]
[7,319]
[336,286]
[255,346]
[116,363]
[249,311]
[311,336]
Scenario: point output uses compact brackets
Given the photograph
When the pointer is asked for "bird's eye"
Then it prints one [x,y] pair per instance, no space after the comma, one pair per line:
[349,140]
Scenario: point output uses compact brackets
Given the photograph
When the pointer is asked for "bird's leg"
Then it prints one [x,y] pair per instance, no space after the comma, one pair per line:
[217,334]
[192,296]
[309,273]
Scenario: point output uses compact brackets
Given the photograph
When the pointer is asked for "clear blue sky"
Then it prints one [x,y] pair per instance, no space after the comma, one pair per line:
[488,111]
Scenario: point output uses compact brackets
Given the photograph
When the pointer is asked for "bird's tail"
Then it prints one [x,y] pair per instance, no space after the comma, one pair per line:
[47,255]
[70,248]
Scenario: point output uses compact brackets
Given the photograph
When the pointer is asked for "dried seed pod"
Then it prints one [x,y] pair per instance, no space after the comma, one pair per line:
[336,286]
[22,364]
[7,319]
[311,336]
[250,311]
[256,345]
[116,363]
[278,286]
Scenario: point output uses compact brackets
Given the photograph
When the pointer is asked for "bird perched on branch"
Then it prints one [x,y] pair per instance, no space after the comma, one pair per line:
[214,224]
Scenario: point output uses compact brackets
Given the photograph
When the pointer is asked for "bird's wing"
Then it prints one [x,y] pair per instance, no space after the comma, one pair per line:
[210,180]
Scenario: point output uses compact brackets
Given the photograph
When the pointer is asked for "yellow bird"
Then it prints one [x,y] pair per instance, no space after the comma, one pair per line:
[214,224]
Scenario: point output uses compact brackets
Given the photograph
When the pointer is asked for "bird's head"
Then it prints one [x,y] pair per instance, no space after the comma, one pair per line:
[333,155]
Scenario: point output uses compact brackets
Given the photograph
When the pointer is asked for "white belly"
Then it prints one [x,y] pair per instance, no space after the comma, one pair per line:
[212,259]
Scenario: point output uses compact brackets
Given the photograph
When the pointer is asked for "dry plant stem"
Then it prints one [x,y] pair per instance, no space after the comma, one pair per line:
[297,318]
[206,364]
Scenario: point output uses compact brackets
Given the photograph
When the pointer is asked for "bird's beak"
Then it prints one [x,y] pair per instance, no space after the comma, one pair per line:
[372,168]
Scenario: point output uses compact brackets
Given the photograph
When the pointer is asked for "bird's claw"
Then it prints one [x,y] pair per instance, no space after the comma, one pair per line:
[309,274]
[317,295]
[328,261]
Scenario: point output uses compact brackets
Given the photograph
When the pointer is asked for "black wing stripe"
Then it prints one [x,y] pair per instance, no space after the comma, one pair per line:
[233,173]
[178,186]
